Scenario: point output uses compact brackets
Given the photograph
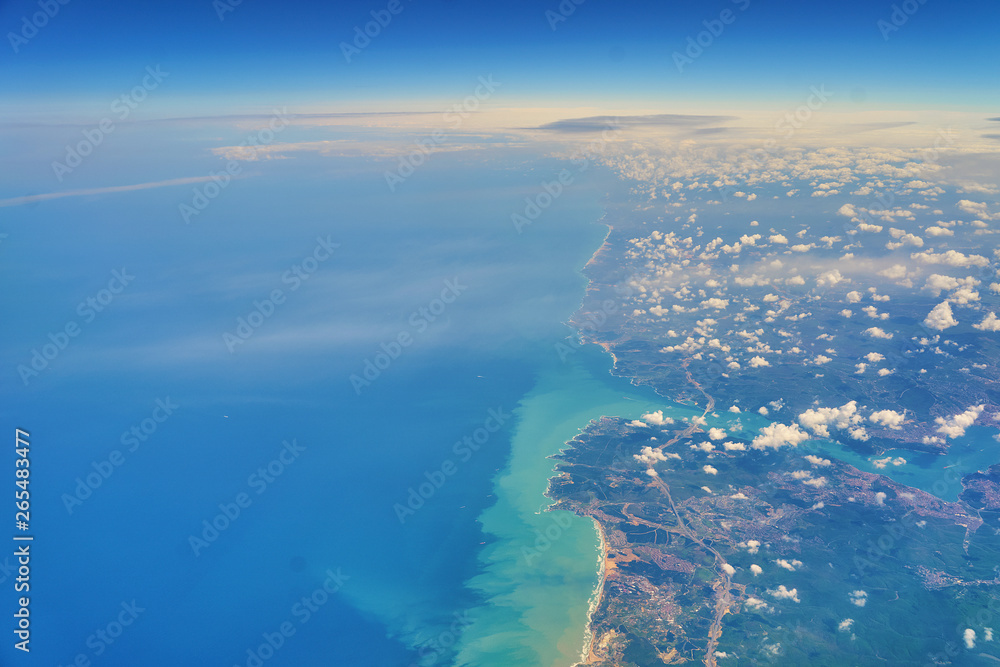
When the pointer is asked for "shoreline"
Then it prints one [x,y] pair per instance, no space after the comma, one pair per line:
[586,653]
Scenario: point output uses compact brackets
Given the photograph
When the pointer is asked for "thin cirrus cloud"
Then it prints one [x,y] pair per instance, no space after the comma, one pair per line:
[31,199]
[598,123]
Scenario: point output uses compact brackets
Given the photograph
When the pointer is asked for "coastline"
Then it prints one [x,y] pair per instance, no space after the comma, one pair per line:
[587,654]
[604,242]
[537,569]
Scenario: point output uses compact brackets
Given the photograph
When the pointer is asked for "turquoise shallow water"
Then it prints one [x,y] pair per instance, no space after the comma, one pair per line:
[542,567]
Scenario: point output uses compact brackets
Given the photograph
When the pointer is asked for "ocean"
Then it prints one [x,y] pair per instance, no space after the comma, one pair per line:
[202,501]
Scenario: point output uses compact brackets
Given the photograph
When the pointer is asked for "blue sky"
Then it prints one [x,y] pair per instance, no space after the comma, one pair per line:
[604,53]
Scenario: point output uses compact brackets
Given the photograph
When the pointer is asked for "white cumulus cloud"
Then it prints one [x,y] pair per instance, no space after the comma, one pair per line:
[940,317]
[954,426]
[776,436]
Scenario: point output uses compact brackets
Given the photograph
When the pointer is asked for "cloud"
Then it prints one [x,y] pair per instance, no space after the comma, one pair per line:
[776,436]
[778,238]
[888,418]
[978,209]
[714,302]
[859,598]
[989,323]
[717,433]
[753,546]
[937,283]
[859,433]
[971,186]
[599,123]
[845,624]
[940,317]
[783,593]
[734,446]
[709,470]
[29,199]
[894,272]
[904,239]
[847,210]
[818,420]
[728,569]
[950,258]
[969,636]
[831,278]
[791,565]
[649,456]
[657,418]
[755,603]
[756,569]
[954,426]
[876,332]
[757,362]
[817,461]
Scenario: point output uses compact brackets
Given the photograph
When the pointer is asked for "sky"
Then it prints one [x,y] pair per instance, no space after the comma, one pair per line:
[225,58]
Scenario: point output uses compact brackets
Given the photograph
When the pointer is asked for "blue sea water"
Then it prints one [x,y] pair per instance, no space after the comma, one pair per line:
[117,520]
